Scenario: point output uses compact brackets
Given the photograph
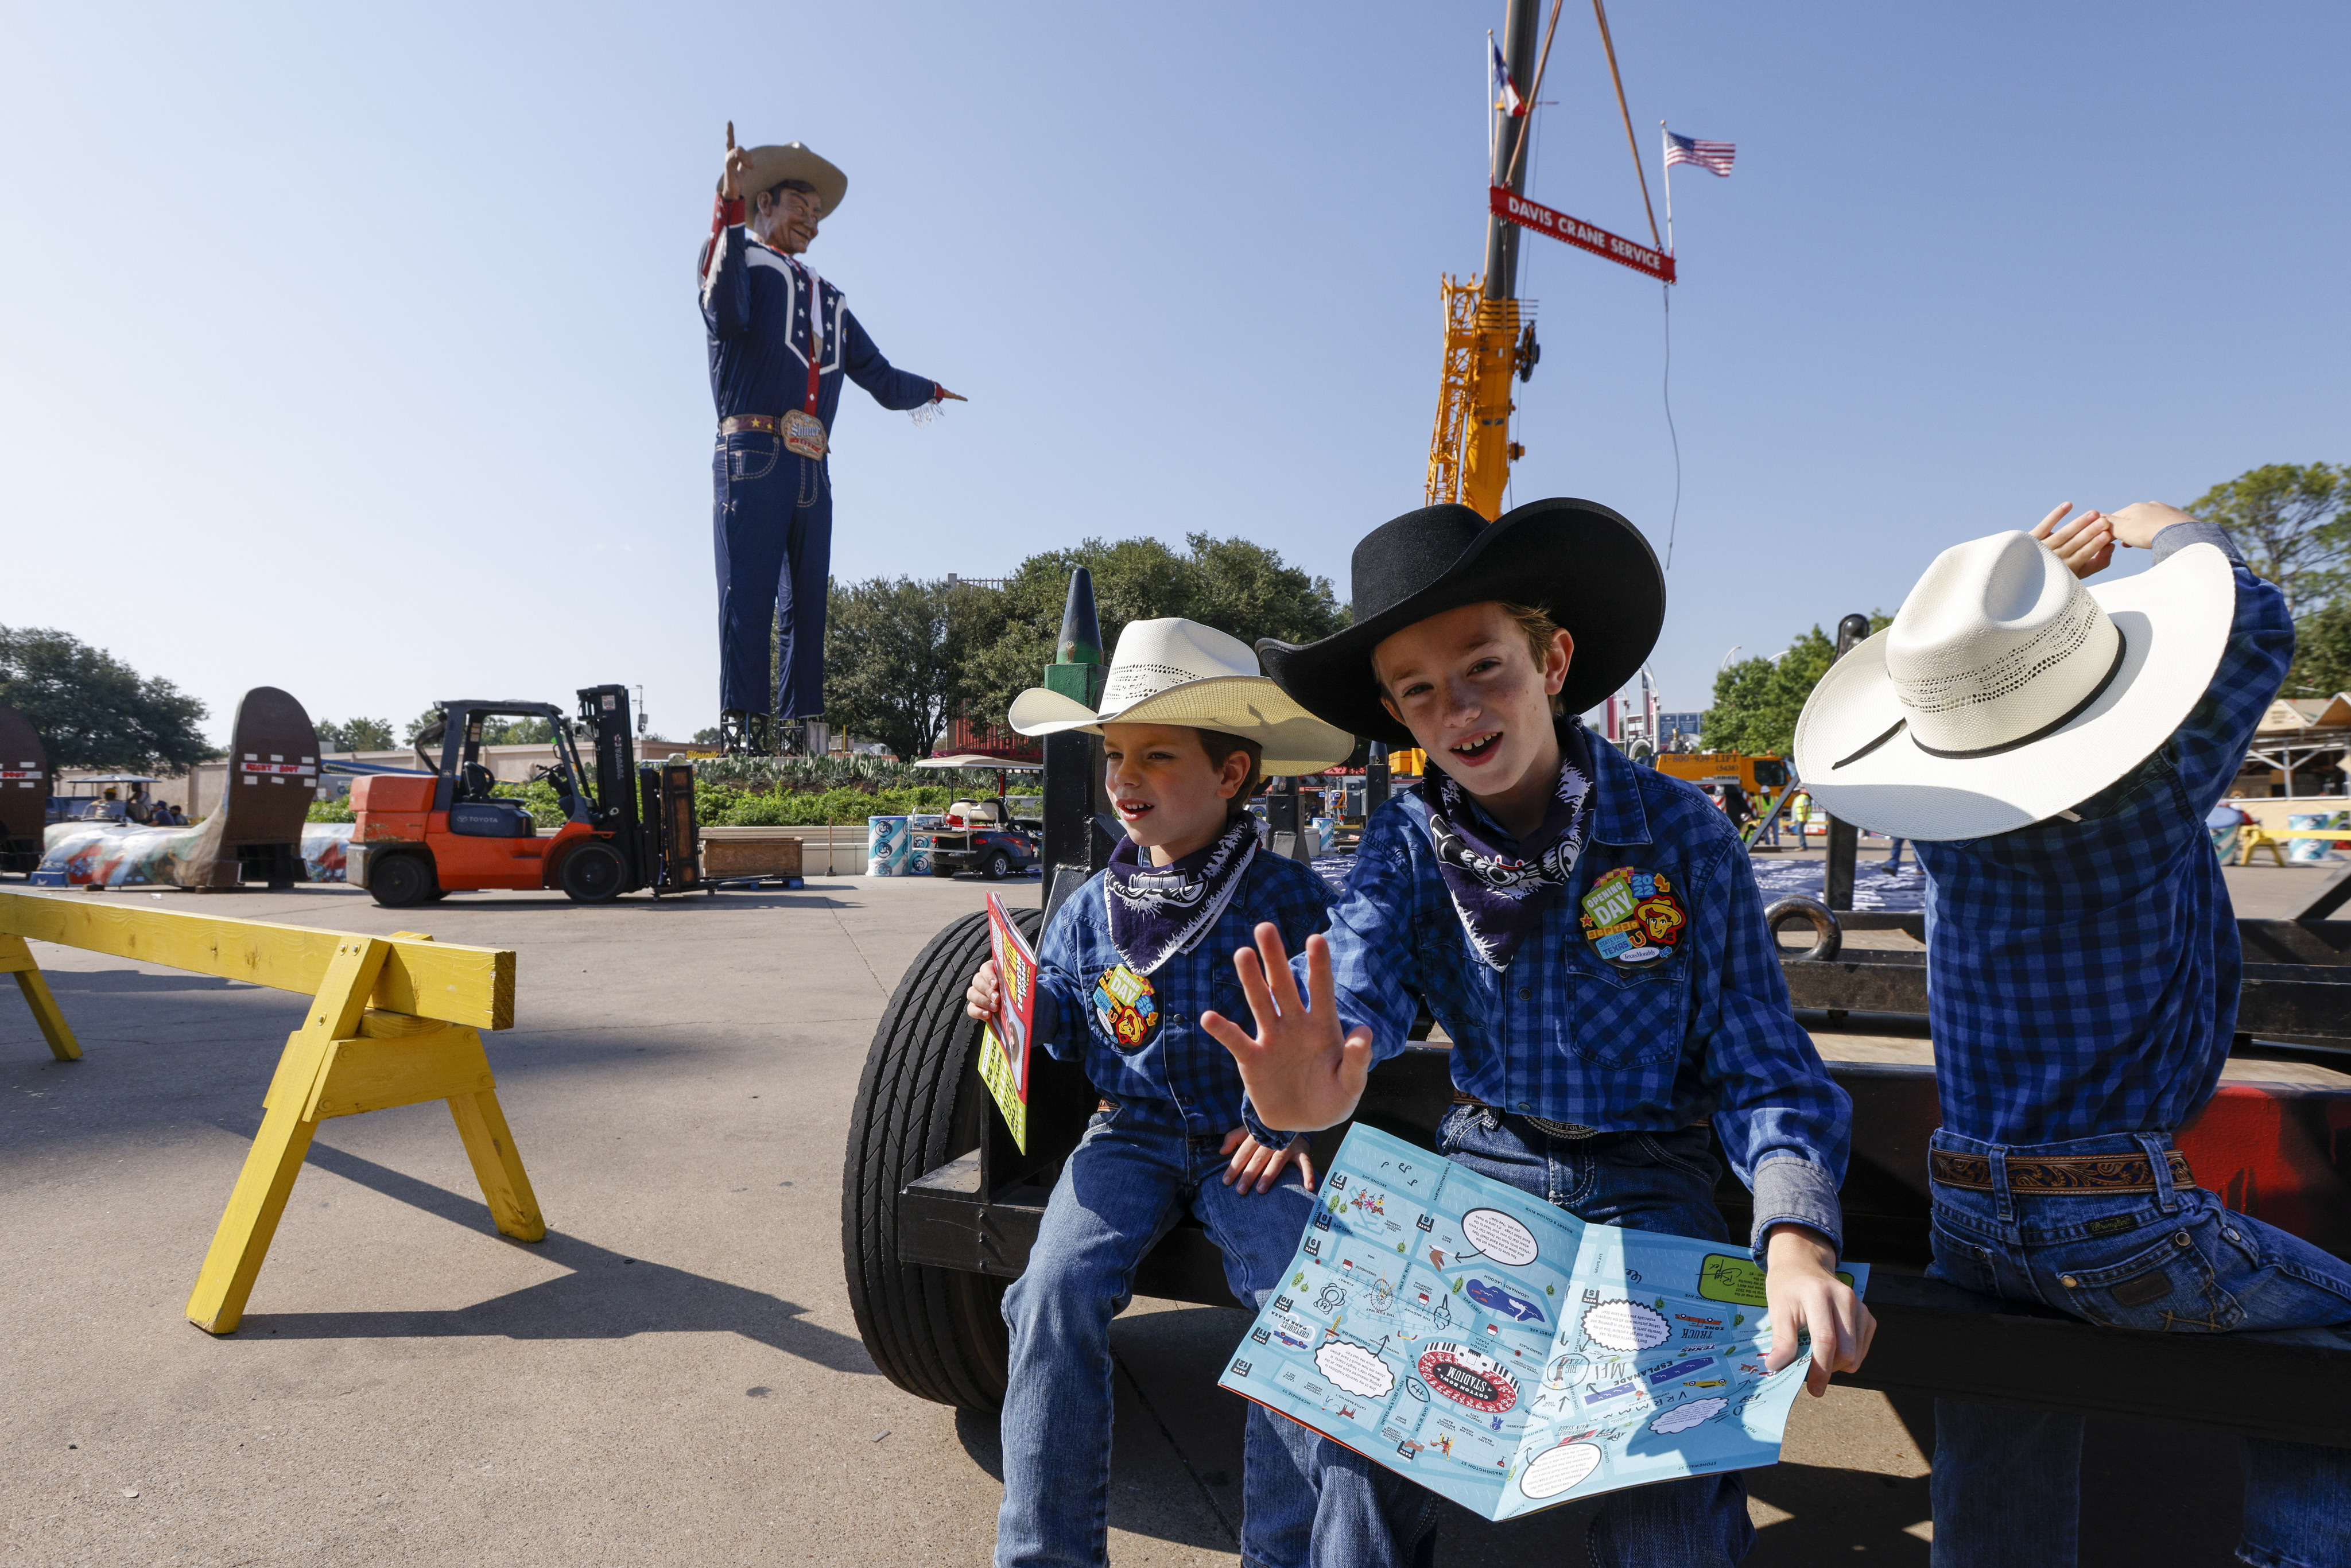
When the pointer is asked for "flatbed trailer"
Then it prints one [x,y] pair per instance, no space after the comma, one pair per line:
[939,1208]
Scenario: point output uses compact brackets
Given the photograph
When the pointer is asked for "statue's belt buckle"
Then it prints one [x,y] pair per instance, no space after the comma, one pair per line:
[804,433]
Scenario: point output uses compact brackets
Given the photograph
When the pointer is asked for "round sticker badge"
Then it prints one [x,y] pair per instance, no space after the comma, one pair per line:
[1632,918]
[1127,1009]
[1469,1376]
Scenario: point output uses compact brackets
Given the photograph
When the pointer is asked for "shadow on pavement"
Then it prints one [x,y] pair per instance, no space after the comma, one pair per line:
[605,1296]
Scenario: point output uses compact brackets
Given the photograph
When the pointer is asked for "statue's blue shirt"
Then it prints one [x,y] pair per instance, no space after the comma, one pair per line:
[758,305]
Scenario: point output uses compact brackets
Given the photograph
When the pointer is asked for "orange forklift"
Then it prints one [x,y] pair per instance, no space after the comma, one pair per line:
[421,836]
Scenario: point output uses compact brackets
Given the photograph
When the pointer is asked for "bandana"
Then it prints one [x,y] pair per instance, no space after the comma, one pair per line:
[1158,911]
[1500,896]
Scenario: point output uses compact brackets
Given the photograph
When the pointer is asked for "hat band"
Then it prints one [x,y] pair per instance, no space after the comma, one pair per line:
[2121,647]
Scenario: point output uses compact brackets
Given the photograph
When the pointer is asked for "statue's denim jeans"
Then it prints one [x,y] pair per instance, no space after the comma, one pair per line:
[1367,1516]
[2007,1480]
[1132,1177]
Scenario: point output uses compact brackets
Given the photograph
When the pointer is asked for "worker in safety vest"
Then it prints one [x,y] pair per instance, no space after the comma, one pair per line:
[781,339]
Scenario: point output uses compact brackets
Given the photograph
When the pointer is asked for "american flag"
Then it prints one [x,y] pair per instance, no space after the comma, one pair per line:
[1712,156]
[1506,92]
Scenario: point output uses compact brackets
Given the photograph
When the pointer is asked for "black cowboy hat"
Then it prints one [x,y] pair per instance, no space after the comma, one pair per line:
[1578,561]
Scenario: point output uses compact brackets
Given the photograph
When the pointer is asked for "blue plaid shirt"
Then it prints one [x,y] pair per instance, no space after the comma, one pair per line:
[1565,1035]
[2082,976]
[1139,1036]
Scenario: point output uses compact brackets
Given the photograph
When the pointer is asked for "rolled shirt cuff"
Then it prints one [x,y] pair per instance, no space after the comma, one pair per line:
[2195,531]
[1789,1190]
[1265,1135]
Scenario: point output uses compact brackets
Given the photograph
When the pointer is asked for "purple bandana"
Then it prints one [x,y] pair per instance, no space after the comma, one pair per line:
[1158,911]
[1500,896]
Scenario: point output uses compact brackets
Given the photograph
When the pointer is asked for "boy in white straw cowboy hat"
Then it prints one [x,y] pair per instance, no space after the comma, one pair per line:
[782,339]
[1589,933]
[2052,751]
[1125,969]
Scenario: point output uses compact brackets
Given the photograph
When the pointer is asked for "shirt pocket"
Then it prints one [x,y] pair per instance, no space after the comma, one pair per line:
[1626,1018]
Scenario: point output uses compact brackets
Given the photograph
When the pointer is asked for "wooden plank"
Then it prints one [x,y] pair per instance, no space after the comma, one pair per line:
[240,1242]
[17,959]
[367,1074]
[497,1166]
[444,981]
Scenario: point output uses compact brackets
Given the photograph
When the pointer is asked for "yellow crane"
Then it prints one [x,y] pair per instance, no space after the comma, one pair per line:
[1489,334]
[1486,341]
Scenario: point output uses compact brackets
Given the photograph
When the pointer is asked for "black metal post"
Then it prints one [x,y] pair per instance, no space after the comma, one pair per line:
[1843,838]
[1375,780]
[1501,235]
[1076,844]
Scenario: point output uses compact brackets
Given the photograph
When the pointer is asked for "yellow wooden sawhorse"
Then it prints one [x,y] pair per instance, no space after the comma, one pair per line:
[393,1020]
[2275,840]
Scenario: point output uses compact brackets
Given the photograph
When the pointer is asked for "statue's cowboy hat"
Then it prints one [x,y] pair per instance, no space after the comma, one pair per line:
[1578,561]
[772,165]
[1174,671]
[2007,690]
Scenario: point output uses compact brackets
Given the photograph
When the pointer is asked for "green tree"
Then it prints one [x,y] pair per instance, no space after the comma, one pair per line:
[420,724]
[1757,701]
[1234,585]
[2289,519]
[355,734]
[892,652]
[2322,652]
[92,710]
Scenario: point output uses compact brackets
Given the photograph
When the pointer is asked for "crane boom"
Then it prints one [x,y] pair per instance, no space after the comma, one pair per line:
[1487,337]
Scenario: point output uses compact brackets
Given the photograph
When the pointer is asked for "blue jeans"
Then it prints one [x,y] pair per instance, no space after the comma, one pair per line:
[2007,1481]
[772,525]
[1133,1176]
[1368,1516]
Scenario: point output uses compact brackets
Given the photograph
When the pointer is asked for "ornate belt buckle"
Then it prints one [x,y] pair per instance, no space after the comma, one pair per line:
[804,433]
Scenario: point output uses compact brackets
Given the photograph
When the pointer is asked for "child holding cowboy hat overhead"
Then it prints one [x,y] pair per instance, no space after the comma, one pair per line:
[1589,933]
[1127,965]
[2052,751]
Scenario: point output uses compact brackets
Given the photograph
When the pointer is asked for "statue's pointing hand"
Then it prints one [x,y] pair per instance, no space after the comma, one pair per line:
[738,163]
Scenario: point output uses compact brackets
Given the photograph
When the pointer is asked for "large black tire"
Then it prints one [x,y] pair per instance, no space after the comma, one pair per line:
[938,1334]
[402,880]
[593,873]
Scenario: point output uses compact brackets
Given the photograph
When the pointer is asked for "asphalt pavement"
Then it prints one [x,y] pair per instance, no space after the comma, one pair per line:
[673,1376]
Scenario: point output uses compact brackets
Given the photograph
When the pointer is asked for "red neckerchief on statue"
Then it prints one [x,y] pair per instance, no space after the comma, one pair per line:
[1501,895]
[1158,911]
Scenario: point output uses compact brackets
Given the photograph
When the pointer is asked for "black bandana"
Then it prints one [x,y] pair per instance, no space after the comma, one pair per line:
[1158,911]
[1501,897]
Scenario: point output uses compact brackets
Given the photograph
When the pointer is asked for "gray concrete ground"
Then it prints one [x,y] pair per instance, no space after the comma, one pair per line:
[673,1376]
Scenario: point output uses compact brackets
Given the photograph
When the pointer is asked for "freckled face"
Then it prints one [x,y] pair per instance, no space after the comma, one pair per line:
[1467,687]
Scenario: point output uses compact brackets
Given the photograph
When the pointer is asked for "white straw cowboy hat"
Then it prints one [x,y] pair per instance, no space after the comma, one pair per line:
[1175,670]
[2007,690]
[771,165]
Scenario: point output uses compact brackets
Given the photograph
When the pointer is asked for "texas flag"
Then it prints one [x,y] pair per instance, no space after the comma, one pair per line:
[1506,92]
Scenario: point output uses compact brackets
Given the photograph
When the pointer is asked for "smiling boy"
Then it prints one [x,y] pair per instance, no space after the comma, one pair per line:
[1589,935]
[1126,967]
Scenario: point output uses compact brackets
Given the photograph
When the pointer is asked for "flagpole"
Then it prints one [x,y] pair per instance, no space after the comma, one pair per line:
[1486,85]
[1666,148]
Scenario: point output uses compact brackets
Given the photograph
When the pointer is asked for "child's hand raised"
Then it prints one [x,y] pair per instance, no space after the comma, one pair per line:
[1299,1071]
[2086,545]
[982,998]
[1253,1160]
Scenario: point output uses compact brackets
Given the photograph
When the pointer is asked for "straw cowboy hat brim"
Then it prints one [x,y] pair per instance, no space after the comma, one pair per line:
[771,165]
[2174,620]
[1249,707]
[1581,563]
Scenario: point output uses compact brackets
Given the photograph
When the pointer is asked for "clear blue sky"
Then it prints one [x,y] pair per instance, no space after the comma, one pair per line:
[355,351]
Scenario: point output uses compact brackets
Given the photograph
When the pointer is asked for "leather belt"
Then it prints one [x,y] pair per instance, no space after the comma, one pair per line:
[751,424]
[1556,1129]
[2070,1173]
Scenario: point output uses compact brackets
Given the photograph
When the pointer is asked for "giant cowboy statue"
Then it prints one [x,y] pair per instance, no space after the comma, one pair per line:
[781,339]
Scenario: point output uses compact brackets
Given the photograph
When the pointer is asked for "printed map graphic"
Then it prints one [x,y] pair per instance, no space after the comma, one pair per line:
[1505,1353]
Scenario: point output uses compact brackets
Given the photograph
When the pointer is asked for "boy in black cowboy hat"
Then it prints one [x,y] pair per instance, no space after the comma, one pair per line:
[1589,933]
